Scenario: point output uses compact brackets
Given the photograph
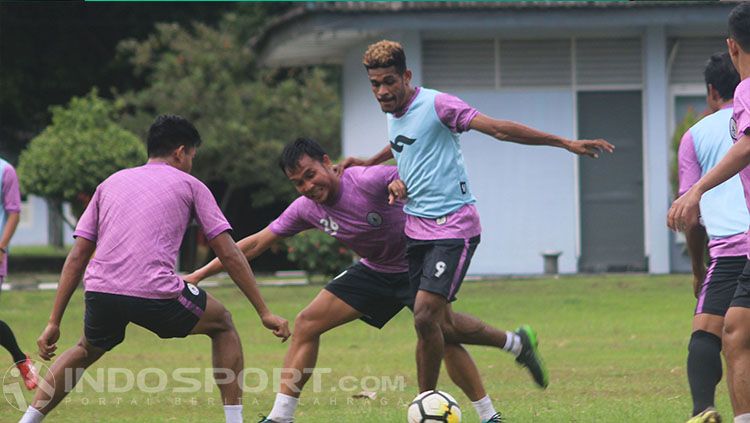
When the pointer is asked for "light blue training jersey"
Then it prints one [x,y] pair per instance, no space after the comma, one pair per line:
[429,159]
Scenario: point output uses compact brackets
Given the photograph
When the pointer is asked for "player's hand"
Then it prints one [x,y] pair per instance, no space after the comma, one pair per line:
[192,278]
[278,325]
[684,211]
[396,191]
[47,341]
[338,169]
[590,148]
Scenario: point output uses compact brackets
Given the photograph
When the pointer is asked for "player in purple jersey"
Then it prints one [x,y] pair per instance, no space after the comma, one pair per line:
[441,242]
[685,210]
[132,279]
[10,214]
[725,221]
[353,208]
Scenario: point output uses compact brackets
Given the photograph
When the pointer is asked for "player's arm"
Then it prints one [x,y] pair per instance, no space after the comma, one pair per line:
[696,239]
[239,269]
[382,156]
[506,130]
[72,272]
[251,246]
[684,210]
[10,228]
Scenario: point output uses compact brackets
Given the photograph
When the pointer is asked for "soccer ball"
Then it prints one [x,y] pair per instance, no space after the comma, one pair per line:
[434,406]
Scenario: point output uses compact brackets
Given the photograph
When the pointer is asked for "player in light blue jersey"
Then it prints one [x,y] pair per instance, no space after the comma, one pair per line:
[725,219]
[442,224]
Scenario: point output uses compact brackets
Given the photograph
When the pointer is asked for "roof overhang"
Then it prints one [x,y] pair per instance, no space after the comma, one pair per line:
[322,33]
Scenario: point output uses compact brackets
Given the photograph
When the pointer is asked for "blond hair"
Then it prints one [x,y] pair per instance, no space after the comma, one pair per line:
[383,54]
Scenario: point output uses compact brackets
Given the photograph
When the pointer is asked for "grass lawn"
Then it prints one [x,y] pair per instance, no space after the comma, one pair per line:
[615,346]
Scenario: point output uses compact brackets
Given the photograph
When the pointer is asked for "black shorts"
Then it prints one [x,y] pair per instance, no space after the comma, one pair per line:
[378,296]
[107,315]
[720,284]
[742,294]
[439,265]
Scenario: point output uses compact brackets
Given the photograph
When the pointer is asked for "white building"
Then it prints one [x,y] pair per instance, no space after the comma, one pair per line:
[621,71]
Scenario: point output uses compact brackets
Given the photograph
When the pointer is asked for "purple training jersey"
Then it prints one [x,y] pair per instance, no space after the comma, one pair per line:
[138,217]
[739,127]
[11,203]
[360,218]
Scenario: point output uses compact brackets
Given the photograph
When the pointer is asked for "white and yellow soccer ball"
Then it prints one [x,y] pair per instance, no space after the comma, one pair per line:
[434,406]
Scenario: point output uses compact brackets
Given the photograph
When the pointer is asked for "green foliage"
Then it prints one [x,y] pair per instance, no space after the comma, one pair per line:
[244,115]
[318,253]
[81,148]
[690,119]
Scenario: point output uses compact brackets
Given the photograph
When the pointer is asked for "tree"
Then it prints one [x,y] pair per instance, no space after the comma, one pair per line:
[245,115]
[81,148]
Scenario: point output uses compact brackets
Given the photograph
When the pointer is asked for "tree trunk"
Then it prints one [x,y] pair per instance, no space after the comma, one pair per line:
[55,223]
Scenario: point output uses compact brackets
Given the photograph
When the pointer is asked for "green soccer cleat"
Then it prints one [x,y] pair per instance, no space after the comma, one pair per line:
[709,415]
[264,419]
[530,357]
[496,418]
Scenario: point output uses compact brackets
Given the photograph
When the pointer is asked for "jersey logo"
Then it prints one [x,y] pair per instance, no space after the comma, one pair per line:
[374,219]
[401,141]
[733,129]
[193,289]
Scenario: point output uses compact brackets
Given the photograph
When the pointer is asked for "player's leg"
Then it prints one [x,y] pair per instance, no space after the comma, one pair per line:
[226,349]
[59,380]
[22,360]
[464,373]
[324,313]
[704,367]
[736,345]
[429,310]
[104,328]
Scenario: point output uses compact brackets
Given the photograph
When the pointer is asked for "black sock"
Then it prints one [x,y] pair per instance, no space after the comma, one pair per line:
[8,340]
[703,368]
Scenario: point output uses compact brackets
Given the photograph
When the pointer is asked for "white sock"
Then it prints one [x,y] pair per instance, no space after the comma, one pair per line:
[32,415]
[512,343]
[283,408]
[484,408]
[742,418]
[233,413]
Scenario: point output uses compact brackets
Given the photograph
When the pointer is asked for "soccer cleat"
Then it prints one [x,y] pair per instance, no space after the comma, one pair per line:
[530,357]
[496,418]
[709,415]
[264,419]
[28,372]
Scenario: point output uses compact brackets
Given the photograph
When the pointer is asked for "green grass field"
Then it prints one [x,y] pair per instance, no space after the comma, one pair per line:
[615,346]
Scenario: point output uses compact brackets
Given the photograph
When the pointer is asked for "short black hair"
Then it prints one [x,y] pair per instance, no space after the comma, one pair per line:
[739,25]
[294,151]
[721,74]
[169,132]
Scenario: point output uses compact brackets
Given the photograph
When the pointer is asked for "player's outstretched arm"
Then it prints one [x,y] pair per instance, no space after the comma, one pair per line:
[72,272]
[239,269]
[684,210]
[506,130]
[382,156]
[251,246]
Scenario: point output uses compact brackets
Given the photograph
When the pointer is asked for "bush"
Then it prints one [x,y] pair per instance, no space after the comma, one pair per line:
[80,149]
[318,253]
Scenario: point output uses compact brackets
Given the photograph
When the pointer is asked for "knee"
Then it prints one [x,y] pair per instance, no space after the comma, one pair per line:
[305,326]
[734,337]
[425,321]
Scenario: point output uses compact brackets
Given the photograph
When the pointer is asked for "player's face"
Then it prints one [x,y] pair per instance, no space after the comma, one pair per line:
[313,179]
[391,89]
